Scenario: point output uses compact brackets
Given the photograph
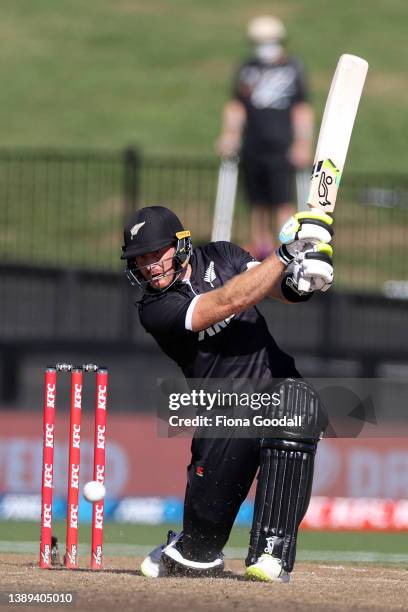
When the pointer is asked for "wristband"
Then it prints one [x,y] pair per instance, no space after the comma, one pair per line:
[283,255]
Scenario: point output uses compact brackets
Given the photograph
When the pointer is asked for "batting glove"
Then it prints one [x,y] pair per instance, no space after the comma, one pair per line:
[313,270]
[309,272]
[302,232]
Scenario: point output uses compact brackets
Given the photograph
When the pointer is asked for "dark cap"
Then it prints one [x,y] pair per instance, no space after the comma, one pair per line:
[149,229]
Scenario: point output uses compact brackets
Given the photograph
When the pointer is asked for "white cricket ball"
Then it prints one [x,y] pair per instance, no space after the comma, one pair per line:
[94,491]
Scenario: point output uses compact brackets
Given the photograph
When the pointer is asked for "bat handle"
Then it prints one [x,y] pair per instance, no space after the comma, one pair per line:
[304,284]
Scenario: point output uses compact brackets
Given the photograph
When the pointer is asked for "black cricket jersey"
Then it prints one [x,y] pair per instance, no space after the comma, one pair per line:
[268,92]
[238,347]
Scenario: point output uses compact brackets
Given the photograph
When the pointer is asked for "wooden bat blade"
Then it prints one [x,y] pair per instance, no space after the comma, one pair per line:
[335,131]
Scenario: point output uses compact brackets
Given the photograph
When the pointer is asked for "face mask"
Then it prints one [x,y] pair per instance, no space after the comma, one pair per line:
[268,52]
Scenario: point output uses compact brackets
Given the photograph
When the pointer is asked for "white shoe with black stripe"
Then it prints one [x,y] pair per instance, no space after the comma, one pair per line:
[177,565]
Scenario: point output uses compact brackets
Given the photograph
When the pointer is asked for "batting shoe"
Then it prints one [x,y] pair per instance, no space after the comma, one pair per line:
[176,564]
[152,566]
[267,569]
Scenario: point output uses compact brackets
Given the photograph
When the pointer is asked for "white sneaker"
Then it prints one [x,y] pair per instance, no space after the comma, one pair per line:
[267,569]
[152,566]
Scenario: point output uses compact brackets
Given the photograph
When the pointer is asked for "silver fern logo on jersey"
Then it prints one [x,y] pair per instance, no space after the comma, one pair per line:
[136,228]
[210,275]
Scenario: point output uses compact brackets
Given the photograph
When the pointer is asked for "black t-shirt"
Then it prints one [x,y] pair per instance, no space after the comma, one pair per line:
[239,347]
[268,92]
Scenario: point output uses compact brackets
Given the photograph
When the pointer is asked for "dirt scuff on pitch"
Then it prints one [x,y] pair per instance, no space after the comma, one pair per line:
[120,587]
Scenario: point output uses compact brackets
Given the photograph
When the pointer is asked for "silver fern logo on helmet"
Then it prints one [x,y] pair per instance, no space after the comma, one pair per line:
[210,276]
[134,230]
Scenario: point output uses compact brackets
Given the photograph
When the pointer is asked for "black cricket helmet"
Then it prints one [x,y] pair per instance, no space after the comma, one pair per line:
[149,229]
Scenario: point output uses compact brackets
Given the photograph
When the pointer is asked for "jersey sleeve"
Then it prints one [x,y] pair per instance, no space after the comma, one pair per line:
[167,315]
[237,257]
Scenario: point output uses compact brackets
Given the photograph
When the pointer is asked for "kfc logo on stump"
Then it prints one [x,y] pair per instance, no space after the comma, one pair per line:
[49,435]
[102,397]
[98,516]
[47,515]
[48,470]
[75,476]
[100,440]
[76,436]
[78,396]
[50,395]
[100,473]
[74,516]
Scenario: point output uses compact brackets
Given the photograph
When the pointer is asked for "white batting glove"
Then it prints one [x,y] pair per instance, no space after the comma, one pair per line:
[302,232]
[312,270]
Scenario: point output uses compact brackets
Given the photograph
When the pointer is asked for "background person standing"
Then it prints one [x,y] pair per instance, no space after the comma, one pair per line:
[270,122]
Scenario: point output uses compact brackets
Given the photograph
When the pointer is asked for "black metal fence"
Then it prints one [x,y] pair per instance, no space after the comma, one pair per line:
[68,210]
[61,286]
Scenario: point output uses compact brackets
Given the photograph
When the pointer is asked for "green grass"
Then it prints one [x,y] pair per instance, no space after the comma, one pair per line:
[104,73]
[151,535]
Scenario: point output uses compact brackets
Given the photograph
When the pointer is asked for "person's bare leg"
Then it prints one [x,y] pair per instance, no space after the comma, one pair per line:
[280,215]
[262,236]
[266,222]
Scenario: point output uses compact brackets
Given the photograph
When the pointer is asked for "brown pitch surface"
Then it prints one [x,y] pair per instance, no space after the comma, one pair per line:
[120,587]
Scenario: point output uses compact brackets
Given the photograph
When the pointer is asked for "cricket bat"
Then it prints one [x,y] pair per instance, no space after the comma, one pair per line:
[302,179]
[335,133]
[225,199]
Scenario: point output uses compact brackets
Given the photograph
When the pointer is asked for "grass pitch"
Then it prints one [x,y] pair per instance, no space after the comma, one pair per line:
[131,540]
[104,74]
[119,586]
[335,582]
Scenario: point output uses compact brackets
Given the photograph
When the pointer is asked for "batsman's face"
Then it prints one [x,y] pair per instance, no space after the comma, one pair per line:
[158,267]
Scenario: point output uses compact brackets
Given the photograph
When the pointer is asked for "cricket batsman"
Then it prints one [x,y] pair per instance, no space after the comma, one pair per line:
[201,308]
